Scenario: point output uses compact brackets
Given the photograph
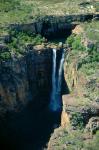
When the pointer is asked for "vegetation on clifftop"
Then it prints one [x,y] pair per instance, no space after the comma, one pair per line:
[83,52]
[87,61]
[19,11]
[18,42]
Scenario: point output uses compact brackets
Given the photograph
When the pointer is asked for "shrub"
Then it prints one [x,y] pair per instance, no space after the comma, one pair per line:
[74,41]
[70,40]
[76,45]
[21,39]
[77,120]
[5,55]
[93,53]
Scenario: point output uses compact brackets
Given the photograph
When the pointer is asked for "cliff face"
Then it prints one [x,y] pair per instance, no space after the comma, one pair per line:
[28,76]
[54,26]
[76,101]
[80,80]
[14,87]
[80,114]
[25,78]
[28,79]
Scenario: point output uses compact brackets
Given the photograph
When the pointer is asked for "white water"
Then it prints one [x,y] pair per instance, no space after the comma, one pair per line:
[60,73]
[55,101]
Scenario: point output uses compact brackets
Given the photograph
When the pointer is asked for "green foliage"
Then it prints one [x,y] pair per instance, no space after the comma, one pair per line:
[87,63]
[92,30]
[5,55]
[25,11]
[73,140]
[70,40]
[8,5]
[88,68]
[14,11]
[21,39]
[96,5]
[38,39]
[77,120]
[93,53]
[94,145]
[75,43]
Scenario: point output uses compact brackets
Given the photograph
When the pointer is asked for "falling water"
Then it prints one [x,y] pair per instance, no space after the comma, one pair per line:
[60,74]
[55,102]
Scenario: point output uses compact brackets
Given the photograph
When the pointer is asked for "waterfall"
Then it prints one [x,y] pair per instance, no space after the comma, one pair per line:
[60,73]
[55,101]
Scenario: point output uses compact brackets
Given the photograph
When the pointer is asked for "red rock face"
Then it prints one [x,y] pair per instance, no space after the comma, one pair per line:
[64,119]
[77,30]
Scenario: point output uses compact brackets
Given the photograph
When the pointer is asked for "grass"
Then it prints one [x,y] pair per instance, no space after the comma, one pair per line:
[26,11]
[13,11]
[92,30]
[94,144]
[87,62]
[74,140]
[19,11]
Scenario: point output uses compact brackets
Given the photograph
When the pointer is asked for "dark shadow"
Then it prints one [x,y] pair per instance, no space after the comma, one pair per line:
[43,24]
[54,33]
[65,89]
[28,130]
[31,128]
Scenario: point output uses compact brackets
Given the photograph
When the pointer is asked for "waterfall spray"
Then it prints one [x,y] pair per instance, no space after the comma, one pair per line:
[55,101]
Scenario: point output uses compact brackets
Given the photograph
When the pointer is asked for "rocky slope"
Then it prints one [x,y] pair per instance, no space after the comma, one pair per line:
[80,116]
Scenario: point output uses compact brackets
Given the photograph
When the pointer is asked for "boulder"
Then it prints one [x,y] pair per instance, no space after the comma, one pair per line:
[93,125]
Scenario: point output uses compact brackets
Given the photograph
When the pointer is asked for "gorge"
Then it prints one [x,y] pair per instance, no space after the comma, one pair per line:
[55,101]
[26,100]
[41,85]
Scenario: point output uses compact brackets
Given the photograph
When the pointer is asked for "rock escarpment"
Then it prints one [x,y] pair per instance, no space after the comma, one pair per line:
[25,94]
[80,115]
[24,79]
[77,102]
[30,74]
[28,78]
[54,26]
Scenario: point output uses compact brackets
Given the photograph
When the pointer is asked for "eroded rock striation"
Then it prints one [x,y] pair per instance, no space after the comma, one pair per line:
[24,79]
[53,26]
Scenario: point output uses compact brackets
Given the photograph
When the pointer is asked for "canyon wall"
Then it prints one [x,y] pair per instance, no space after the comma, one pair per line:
[25,79]
[22,79]
[80,115]
[77,102]
[54,26]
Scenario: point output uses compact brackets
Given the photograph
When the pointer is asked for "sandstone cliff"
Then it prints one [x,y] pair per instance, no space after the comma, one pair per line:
[25,78]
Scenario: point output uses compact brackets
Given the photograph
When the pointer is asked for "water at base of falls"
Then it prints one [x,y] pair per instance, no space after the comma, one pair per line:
[55,100]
